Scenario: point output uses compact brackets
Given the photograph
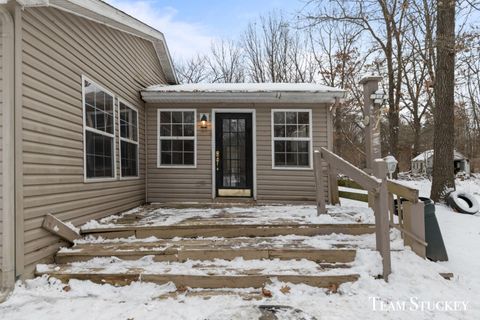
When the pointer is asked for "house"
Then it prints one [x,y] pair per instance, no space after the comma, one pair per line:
[423,163]
[93,122]
[256,142]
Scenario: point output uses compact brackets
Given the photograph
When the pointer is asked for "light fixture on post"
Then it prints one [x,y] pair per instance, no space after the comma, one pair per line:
[391,164]
[378,97]
[204,120]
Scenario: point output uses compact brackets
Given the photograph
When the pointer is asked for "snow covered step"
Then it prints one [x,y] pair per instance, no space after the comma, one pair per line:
[228,230]
[237,273]
[176,253]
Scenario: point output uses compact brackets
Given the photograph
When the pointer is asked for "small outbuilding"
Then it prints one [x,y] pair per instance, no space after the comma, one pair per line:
[423,163]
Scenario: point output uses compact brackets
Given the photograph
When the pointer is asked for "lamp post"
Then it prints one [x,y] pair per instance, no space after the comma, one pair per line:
[391,164]
[373,98]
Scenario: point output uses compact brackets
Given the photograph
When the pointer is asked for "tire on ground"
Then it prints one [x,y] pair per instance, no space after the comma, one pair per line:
[463,202]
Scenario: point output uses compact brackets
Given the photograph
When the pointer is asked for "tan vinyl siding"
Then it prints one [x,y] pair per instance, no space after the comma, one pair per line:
[195,184]
[1,146]
[58,48]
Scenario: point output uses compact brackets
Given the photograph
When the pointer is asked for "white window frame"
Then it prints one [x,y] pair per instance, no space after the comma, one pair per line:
[309,139]
[194,138]
[87,128]
[120,139]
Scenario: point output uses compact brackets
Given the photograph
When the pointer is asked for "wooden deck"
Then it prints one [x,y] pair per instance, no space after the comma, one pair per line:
[208,241]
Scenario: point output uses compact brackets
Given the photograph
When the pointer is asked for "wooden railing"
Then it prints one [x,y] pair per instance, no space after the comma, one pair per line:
[382,195]
[410,214]
[376,185]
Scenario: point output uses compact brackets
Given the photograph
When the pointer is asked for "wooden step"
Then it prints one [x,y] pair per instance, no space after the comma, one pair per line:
[205,281]
[228,230]
[182,254]
[207,274]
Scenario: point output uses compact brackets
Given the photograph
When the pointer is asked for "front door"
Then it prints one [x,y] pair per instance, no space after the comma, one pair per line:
[233,155]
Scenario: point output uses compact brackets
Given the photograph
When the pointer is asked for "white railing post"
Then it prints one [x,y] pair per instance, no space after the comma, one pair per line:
[382,225]
[319,183]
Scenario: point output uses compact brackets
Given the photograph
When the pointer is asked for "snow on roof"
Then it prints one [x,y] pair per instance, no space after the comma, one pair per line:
[245,87]
[429,153]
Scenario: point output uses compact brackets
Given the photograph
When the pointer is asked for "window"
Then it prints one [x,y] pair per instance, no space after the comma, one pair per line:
[99,131]
[292,138]
[176,141]
[128,140]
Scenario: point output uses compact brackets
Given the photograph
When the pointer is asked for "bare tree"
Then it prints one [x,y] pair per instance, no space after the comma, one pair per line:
[193,70]
[227,62]
[418,67]
[275,51]
[443,177]
[335,47]
[384,22]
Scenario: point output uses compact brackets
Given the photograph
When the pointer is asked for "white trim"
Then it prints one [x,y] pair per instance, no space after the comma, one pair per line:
[194,138]
[309,139]
[120,139]
[86,128]
[254,146]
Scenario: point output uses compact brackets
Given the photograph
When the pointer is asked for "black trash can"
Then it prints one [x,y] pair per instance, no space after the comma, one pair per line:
[433,236]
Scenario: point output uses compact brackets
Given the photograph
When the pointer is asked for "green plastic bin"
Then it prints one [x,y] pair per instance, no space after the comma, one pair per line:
[433,236]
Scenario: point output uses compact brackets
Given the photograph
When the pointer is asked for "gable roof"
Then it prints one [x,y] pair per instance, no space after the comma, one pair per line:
[243,92]
[429,153]
[103,13]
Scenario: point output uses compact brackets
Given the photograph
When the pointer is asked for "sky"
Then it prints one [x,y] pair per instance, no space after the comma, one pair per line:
[190,26]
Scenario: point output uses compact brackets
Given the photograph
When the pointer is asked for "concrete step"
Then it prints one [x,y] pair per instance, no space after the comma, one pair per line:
[227,230]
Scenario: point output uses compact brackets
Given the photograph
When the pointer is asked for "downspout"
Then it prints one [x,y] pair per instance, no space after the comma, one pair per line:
[8,176]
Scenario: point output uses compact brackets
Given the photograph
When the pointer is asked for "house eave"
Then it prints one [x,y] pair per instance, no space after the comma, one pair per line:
[241,97]
[110,16]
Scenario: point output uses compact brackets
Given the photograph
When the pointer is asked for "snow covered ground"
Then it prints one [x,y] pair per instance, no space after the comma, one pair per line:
[415,289]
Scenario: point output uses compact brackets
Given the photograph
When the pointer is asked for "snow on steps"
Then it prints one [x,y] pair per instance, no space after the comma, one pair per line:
[207,249]
[212,263]
[228,230]
[208,274]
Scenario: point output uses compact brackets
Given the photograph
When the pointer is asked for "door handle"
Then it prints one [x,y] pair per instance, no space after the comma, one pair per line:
[217,159]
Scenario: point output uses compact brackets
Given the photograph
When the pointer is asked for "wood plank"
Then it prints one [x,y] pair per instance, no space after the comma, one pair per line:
[319,185]
[410,194]
[333,185]
[59,228]
[366,181]
[232,231]
[206,253]
[207,282]
[382,219]
[414,224]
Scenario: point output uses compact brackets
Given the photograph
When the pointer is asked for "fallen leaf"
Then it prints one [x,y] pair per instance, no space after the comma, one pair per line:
[333,288]
[285,289]
[266,293]
[182,288]
[67,288]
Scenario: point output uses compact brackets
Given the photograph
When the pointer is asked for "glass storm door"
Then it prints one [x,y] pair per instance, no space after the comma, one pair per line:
[233,154]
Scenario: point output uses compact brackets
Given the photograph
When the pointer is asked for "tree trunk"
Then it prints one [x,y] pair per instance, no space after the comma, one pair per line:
[417,134]
[443,142]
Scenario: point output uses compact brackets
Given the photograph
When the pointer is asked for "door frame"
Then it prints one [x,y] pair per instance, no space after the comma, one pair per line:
[254,147]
